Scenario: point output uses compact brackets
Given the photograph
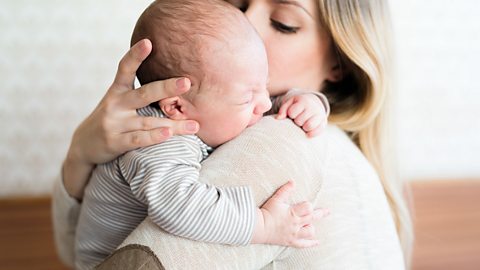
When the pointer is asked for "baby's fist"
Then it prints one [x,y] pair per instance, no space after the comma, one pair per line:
[307,111]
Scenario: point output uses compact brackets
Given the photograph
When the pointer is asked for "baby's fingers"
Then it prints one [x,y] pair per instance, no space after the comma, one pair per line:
[302,209]
[307,232]
[282,112]
[283,193]
[314,215]
[302,118]
[314,133]
[320,213]
[305,243]
[295,110]
[313,123]
[315,127]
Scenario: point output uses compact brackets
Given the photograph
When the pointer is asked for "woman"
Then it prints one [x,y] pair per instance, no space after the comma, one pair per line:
[340,47]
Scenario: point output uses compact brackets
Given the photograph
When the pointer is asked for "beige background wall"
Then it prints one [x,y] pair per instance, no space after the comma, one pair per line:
[58,57]
[438,126]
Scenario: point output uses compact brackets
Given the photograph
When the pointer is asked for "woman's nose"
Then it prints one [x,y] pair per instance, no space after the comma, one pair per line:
[256,16]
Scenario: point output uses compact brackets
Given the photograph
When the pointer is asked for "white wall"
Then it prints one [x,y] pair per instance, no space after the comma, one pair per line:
[438,45]
[58,57]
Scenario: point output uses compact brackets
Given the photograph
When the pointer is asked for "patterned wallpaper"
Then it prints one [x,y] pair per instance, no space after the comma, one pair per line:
[58,57]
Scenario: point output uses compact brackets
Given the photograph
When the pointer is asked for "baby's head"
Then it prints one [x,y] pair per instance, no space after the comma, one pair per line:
[213,44]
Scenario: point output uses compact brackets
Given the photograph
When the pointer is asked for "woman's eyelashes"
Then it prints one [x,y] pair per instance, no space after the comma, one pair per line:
[283,28]
[277,25]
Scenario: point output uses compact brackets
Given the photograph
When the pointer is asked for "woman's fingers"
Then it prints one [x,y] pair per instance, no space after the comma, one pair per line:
[178,127]
[153,92]
[186,127]
[133,140]
[129,64]
[147,93]
[154,131]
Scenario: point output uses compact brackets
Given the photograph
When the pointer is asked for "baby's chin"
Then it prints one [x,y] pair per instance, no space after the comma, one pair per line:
[215,140]
[221,139]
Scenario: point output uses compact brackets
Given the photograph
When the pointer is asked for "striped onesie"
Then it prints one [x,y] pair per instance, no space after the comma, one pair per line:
[161,182]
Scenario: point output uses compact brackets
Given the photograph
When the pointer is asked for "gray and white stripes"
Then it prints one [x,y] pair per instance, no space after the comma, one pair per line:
[160,181]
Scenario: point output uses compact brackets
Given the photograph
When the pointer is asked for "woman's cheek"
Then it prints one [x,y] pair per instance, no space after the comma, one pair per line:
[282,69]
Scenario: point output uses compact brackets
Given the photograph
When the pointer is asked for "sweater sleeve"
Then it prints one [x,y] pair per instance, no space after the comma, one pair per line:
[65,212]
[165,178]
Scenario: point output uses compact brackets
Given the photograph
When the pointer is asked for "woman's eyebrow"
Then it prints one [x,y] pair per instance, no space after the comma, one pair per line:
[294,3]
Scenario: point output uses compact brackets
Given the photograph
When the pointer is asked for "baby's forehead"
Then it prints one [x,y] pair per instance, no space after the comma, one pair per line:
[239,60]
[231,85]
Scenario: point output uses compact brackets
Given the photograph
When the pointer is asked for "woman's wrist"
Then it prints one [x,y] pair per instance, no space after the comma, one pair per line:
[75,173]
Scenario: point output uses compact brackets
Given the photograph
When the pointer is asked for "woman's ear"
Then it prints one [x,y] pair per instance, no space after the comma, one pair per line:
[337,69]
[336,73]
[175,108]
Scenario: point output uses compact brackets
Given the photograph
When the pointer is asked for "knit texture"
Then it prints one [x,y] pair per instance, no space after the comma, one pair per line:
[329,170]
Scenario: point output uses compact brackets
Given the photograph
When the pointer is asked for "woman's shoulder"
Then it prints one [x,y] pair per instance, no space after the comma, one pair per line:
[333,145]
[282,145]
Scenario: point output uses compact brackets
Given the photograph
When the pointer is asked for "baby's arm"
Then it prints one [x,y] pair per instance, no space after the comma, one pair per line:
[165,178]
[307,109]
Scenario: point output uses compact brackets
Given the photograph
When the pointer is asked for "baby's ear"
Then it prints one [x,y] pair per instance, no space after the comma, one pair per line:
[174,107]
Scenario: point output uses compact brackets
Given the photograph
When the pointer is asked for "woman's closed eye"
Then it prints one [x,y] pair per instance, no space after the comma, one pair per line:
[283,28]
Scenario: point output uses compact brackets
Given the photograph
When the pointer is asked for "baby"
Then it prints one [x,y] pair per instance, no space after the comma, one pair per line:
[213,45]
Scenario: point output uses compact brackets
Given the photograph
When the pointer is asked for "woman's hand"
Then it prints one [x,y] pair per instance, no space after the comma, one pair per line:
[114,127]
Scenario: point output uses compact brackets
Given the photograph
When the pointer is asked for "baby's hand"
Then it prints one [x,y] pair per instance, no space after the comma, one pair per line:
[307,111]
[280,223]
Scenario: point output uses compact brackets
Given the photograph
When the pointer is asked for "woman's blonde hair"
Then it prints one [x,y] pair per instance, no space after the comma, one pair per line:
[360,32]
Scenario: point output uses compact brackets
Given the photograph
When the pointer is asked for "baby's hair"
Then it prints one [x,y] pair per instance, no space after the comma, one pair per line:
[181,33]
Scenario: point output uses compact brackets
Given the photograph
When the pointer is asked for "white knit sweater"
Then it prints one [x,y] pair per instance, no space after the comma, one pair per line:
[329,170]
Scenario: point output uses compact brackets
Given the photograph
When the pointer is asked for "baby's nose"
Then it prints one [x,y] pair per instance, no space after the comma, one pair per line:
[264,105]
